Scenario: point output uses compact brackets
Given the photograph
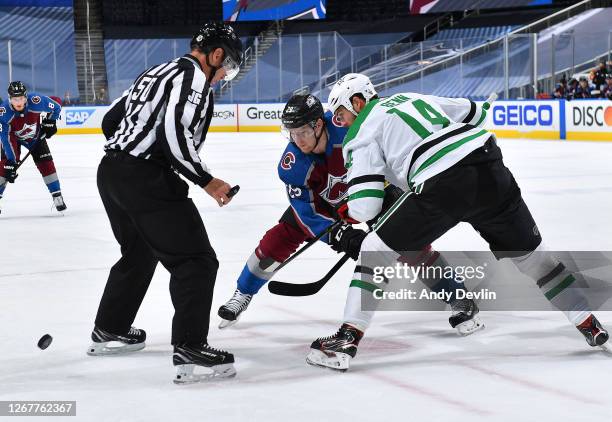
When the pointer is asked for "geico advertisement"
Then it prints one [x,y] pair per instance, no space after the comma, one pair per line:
[525,116]
[259,116]
[589,116]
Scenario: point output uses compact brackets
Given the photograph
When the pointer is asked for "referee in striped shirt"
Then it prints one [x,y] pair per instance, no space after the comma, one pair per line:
[153,131]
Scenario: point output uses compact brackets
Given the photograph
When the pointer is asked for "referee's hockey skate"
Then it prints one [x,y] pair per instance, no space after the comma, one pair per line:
[231,311]
[464,318]
[187,358]
[335,352]
[105,343]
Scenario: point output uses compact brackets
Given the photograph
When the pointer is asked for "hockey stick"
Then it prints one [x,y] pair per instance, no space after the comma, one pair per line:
[492,98]
[23,160]
[29,153]
[310,243]
[290,289]
[282,288]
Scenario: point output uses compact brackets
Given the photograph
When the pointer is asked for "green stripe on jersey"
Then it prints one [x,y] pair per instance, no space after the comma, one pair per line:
[482,116]
[391,210]
[367,193]
[442,152]
[560,287]
[354,129]
[364,285]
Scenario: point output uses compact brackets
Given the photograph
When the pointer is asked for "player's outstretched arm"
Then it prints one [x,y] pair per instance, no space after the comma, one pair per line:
[463,110]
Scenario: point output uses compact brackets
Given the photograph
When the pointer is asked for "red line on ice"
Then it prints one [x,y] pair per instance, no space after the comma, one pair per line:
[528,383]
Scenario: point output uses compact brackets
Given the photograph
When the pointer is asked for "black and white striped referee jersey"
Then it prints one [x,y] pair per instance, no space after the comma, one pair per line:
[165,116]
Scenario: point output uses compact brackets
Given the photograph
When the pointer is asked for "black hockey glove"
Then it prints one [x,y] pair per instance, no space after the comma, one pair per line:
[48,127]
[392,194]
[346,239]
[10,171]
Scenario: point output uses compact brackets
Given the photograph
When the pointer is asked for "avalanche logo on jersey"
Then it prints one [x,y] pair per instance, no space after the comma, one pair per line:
[336,189]
[26,132]
[35,99]
[287,161]
[336,122]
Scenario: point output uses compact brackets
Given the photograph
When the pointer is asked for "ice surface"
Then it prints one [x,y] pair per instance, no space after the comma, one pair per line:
[410,366]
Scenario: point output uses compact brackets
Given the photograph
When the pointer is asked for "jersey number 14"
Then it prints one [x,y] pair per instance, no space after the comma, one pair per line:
[428,112]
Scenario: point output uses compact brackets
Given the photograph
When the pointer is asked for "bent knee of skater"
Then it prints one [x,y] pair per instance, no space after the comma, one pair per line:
[373,242]
[208,263]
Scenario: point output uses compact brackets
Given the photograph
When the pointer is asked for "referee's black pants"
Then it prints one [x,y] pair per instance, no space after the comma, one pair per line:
[154,221]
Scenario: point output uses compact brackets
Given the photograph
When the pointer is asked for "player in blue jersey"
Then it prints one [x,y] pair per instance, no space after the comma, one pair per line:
[314,174]
[312,169]
[29,119]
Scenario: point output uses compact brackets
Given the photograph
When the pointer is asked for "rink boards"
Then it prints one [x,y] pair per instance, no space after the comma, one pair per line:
[589,120]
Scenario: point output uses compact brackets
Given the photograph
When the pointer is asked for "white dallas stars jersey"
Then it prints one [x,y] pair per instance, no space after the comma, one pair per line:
[407,139]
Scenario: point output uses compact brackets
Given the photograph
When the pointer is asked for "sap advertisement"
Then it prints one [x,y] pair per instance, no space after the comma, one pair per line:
[272,10]
[81,120]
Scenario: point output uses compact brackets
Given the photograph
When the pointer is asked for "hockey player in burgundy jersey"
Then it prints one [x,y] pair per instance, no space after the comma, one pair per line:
[314,173]
[21,125]
[312,169]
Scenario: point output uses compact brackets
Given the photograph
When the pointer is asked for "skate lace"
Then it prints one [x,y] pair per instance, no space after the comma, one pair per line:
[134,331]
[331,337]
[238,302]
[213,349]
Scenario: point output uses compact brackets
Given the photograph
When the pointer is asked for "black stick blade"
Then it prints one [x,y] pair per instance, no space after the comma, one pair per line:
[307,289]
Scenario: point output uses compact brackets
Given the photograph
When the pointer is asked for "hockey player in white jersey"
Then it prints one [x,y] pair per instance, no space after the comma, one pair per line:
[452,171]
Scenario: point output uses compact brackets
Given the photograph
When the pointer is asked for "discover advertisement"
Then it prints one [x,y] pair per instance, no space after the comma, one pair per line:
[589,120]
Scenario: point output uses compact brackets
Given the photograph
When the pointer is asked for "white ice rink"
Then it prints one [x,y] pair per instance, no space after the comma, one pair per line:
[410,366]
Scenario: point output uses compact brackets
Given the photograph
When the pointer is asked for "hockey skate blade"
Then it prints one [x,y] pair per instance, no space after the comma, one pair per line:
[185,373]
[225,323]
[469,327]
[337,362]
[112,348]
[55,212]
[607,347]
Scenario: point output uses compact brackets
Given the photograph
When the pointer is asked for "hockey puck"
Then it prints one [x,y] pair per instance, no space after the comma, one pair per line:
[45,341]
[233,191]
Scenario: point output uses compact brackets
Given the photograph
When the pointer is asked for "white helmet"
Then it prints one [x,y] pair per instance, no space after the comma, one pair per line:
[347,86]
